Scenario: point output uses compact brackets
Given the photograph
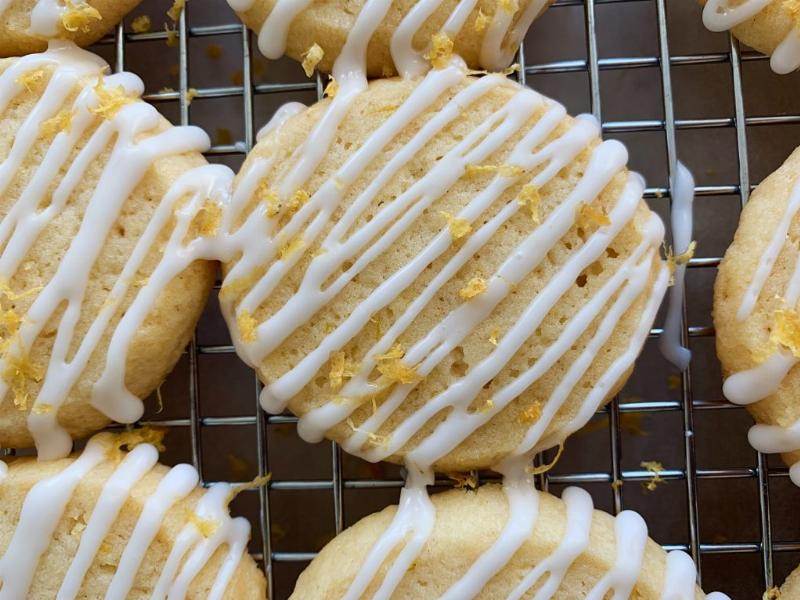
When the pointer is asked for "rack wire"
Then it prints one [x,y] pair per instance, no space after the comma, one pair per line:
[338,496]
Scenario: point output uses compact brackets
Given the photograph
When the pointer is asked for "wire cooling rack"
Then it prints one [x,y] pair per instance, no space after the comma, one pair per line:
[665,87]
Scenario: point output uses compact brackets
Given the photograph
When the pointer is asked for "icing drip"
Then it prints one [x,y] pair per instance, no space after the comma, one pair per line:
[722,15]
[44,506]
[503,35]
[130,158]
[682,199]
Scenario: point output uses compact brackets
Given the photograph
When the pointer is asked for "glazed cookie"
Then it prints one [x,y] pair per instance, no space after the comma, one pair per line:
[790,590]
[491,544]
[770,26]
[449,270]
[103,205]
[486,33]
[755,314]
[110,524]
[26,25]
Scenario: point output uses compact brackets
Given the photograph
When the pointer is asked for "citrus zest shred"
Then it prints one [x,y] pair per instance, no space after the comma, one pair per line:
[396,351]
[110,99]
[311,59]
[530,198]
[457,226]
[18,372]
[531,414]
[247,326]
[372,438]
[207,220]
[502,170]
[482,21]
[545,468]
[42,408]
[206,527]
[176,9]
[655,468]
[786,331]
[30,79]
[441,50]
[253,484]
[141,24]
[588,215]
[509,6]
[55,125]
[475,287]
[463,481]
[393,369]
[493,336]
[291,247]
[332,88]
[341,368]
[485,407]
[78,16]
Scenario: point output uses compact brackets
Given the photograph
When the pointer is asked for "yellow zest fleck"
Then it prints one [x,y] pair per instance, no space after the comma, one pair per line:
[502,170]
[482,21]
[253,484]
[292,247]
[786,331]
[674,260]
[458,227]
[772,593]
[341,368]
[332,88]
[463,481]
[393,369]
[531,414]
[190,95]
[207,220]
[476,286]
[493,336]
[42,409]
[372,438]
[79,16]
[176,9]
[545,468]
[55,125]
[223,136]
[141,24]
[441,50]
[397,351]
[655,468]
[234,288]
[131,438]
[110,99]
[298,199]
[616,484]
[588,215]
[206,527]
[387,108]
[509,6]
[485,407]
[78,528]
[530,198]
[311,58]
[214,51]
[31,79]
[172,36]
[247,326]
[19,371]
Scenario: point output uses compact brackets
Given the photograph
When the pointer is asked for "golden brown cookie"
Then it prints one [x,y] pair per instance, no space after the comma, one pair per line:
[108,522]
[445,269]
[485,33]
[27,25]
[99,285]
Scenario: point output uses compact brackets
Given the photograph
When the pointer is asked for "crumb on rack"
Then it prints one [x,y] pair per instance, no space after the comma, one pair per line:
[441,50]
[30,79]
[237,77]
[673,381]
[223,136]
[786,331]
[616,484]
[530,198]
[247,326]
[214,51]
[538,470]
[141,24]
[655,468]
[457,226]
[531,414]
[176,9]
[475,287]
[172,36]
[189,95]
[311,58]
[79,15]
[588,216]
[463,481]
[772,593]
[482,21]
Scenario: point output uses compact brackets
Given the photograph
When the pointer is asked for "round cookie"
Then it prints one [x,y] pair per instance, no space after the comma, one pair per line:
[109,522]
[454,273]
[480,546]
[100,278]
[26,25]
[755,314]
[790,590]
[769,26]
[486,33]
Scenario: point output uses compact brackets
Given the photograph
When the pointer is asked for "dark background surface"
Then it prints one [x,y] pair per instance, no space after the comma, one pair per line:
[313,486]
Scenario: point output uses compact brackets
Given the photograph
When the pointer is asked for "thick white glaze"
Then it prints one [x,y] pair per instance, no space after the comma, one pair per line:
[682,200]
[722,15]
[44,506]
[130,158]
[502,37]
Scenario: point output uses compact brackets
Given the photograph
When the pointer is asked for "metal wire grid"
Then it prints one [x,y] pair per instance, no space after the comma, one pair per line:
[246,92]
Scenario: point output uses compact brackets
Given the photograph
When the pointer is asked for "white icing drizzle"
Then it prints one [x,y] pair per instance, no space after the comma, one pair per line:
[501,40]
[682,200]
[763,380]
[130,158]
[722,15]
[43,509]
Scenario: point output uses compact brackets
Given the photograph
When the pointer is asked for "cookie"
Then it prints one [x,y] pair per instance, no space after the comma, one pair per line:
[769,26]
[790,590]
[446,269]
[491,544]
[755,314]
[110,524]
[102,207]
[486,33]
[27,25]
